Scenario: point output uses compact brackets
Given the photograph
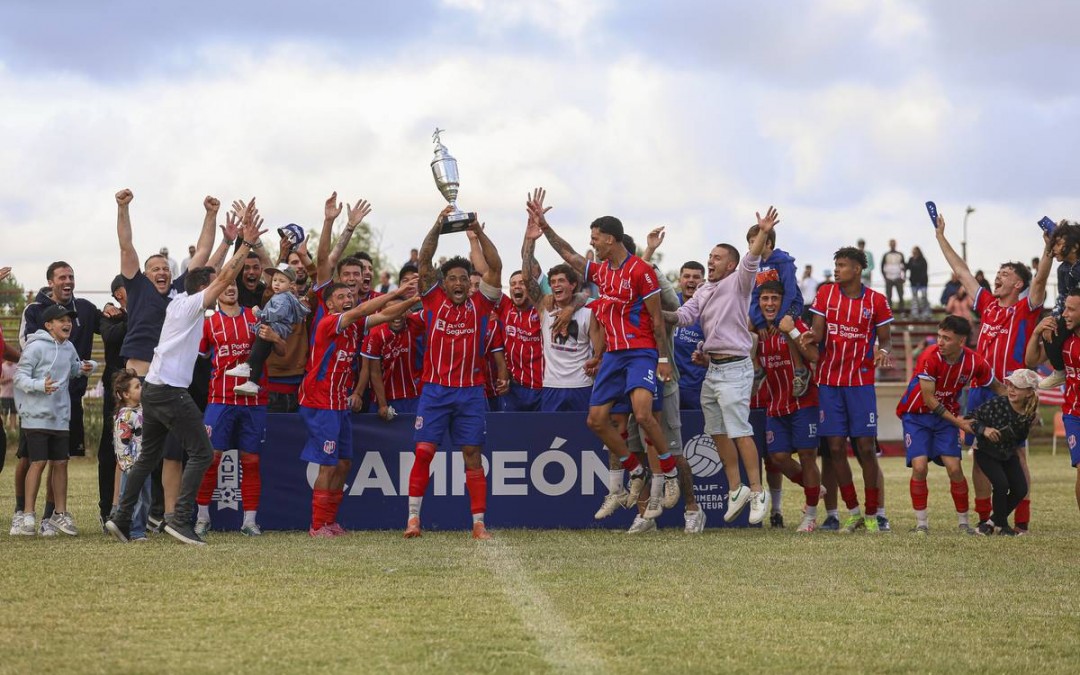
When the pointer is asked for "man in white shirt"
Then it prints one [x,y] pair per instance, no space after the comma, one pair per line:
[167,406]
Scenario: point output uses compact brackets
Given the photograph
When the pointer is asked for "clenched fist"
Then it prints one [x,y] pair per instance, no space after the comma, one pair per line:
[124,197]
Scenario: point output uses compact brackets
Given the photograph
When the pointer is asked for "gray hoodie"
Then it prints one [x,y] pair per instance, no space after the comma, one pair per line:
[42,356]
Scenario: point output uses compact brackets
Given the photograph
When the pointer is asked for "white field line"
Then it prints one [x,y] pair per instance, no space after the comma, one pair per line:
[558,643]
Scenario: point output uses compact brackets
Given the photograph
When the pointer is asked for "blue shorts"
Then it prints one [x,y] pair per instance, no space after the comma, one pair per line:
[758,424]
[622,372]
[1072,437]
[623,406]
[461,410]
[796,431]
[976,397]
[847,411]
[554,399]
[329,436]
[240,427]
[930,436]
[521,399]
[404,406]
[690,399]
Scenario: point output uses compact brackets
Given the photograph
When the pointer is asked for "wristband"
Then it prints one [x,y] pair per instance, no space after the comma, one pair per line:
[882,349]
[229,242]
[939,411]
[794,333]
[257,244]
[663,359]
[247,243]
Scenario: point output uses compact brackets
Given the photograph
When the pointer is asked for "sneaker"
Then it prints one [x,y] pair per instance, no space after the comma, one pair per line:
[47,529]
[155,524]
[883,524]
[480,532]
[248,388]
[184,533]
[871,524]
[966,529]
[642,525]
[202,527]
[852,523]
[322,533]
[1021,528]
[612,503]
[1053,381]
[101,523]
[808,524]
[737,501]
[16,523]
[759,506]
[336,528]
[776,520]
[800,382]
[121,533]
[830,524]
[251,530]
[63,522]
[985,528]
[653,509]
[921,530]
[141,539]
[671,492]
[27,525]
[637,484]
[1007,531]
[412,529]
[695,521]
[239,370]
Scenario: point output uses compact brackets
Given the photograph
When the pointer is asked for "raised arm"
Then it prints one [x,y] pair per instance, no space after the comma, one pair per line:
[765,226]
[967,279]
[1037,291]
[372,308]
[538,211]
[129,259]
[229,233]
[356,215]
[250,232]
[476,253]
[324,269]
[205,243]
[493,274]
[427,273]
[652,242]
[530,268]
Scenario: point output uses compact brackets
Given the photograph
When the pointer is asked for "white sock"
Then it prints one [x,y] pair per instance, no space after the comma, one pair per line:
[962,517]
[856,511]
[615,481]
[204,512]
[811,512]
[776,496]
[249,518]
[414,506]
[881,511]
[922,518]
[656,488]
[477,518]
[833,513]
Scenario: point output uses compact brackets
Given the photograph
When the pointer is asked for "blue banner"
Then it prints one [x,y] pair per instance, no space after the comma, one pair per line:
[544,470]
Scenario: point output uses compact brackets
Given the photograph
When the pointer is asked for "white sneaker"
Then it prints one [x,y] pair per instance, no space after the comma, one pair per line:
[695,521]
[653,509]
[46,528]
[241,370]
[1053,381]
[28,525]
[759,506]
[202,527]
[671,492]
[16,523]
[642,525]
[612,503]
[736,502]
[248,388]
[637,484]
[808,524]
[63,522]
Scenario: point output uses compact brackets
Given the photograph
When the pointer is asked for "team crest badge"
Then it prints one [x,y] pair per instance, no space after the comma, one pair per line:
[866,313]
[329,447]
[907,440]
[1072,441]
[769,437]
[821,417]
[419,423]
[209,430]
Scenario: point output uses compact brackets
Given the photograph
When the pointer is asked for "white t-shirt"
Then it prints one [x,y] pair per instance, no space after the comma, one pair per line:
[178,346]
[808,286]
[565,357]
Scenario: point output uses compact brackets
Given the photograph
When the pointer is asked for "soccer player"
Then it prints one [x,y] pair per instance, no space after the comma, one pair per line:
[395,355]
[637,353]
[523,347]
[455,370]
[233,421]
[688,339]
[853,322]
[930,413]
[1009,315]
[330,265]
[792,421]
[325,392]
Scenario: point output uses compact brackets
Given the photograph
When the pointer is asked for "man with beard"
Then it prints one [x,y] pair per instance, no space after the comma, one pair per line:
[688,339]
[523,347]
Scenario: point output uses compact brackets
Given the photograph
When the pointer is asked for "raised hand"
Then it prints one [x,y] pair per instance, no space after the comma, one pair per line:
[231,228]
[238,207]
[211,204]
[251,223]
[940,229]
[655,238]
[124,197]
[5,272]
[536,208]
[771,219]
[356,213]
[332,208]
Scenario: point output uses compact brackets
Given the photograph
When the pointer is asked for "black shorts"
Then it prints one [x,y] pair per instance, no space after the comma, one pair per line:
[43,445]
[173,449]
[7,405]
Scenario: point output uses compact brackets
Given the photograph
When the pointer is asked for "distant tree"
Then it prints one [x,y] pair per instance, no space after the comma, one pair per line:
[365,238]
[12,296]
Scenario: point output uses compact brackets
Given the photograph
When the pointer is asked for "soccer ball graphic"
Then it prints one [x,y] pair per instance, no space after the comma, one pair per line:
[700,453]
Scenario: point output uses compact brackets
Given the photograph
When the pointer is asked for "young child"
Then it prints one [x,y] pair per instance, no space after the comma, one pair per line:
[281,313]
[127,443]
[1002,425]
[48,364]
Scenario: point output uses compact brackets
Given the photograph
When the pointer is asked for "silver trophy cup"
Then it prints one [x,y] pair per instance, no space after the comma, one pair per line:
[444,169]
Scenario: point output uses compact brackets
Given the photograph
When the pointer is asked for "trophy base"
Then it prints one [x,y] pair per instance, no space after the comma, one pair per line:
[457,222]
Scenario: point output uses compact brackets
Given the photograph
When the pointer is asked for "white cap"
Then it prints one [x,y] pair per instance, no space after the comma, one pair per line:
[1023,379]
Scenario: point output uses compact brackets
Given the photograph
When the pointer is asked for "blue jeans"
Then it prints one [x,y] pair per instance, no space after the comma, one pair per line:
[142,506]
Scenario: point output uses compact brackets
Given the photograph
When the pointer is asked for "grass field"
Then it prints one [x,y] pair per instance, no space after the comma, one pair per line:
[592,601]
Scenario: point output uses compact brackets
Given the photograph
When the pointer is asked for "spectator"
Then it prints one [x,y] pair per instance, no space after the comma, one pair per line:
[892,269]
[174,269]
[868,271]
[414,258]
[981,278]
[187,261]
[280,313]
[113,329]
[7,395]
[808,285]
[952,286]
[386,284]
[828,279]
[960,304]
[126,438]
[250,284]
[919,280]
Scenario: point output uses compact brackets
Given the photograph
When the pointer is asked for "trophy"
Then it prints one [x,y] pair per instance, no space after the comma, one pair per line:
[444,169]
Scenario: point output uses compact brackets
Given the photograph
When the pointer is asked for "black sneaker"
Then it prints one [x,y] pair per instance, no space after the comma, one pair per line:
[185,533]
[155,524]
[1007,531]
[121,533]
[985,528]
[776,520]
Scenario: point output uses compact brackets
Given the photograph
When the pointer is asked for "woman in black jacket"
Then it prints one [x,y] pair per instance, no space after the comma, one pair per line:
[919,280]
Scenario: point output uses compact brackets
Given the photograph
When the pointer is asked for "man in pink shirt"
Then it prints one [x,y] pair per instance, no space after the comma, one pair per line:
[721,306]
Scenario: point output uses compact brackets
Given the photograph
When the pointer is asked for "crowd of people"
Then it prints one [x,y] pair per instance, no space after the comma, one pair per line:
[781,369]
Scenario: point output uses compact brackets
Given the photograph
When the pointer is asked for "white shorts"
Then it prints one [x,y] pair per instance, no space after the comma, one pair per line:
[725,398]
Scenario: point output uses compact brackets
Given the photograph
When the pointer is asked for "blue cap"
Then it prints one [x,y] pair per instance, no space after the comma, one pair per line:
[293,233]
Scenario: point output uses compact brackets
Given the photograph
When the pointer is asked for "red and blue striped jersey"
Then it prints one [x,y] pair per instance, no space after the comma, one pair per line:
[621,305]
[970,370]
[330,376]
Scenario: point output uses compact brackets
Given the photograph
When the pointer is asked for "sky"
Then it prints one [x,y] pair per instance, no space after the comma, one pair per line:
[691,114]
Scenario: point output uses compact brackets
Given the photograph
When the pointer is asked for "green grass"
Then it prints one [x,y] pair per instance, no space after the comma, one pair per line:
[593,601]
